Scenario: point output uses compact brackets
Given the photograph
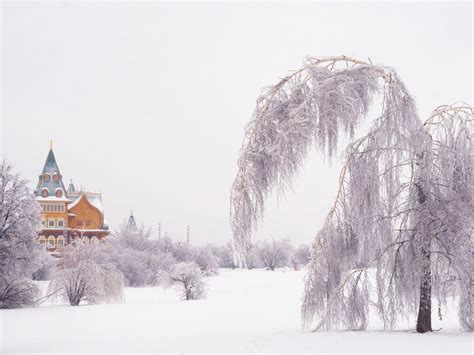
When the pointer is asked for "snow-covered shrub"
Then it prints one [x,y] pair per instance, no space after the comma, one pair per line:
[48,268]
[140,267]
[18,293]
[187,278]
[206,260]
[20,253]
[225,256]
[275,253]
[301,256]
[89,282]
[252,256]
[183,252]
[73,255]
[142,259]
[135,239]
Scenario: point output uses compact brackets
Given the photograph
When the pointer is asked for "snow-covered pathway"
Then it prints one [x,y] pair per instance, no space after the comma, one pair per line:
[246,311]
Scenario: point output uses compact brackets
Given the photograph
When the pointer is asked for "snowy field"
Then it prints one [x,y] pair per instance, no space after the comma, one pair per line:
[246,311]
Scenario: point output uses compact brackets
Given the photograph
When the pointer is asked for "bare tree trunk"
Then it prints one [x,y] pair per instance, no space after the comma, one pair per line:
[423,323]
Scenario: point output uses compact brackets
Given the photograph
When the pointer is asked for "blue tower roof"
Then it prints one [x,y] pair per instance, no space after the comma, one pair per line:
[50,178]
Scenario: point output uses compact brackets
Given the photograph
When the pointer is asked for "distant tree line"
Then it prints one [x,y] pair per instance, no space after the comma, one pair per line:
[97,273]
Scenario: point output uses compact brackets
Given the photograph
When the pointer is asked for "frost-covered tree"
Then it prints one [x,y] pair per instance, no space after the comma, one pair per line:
[275,253]
[301,255]
[48,268]
[139,267]
[20,254]
[206,260]
[187,278]
[225,256]
[137,238]
[89,282]
[404,207]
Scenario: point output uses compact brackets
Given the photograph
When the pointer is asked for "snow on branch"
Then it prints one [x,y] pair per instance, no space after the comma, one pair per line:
[309,108]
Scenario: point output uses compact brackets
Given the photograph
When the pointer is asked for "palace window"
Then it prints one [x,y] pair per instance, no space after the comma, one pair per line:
[51,241]
[51,223]
[42,240]
[44,192]
[43,223]
[60,223]
[60,241]
[46,177]
[59,193]
[56,178]
[94,240]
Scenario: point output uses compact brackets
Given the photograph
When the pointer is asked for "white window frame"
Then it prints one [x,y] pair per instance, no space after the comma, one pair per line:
[60,220]
[49,223]
[60,239]
[51,238]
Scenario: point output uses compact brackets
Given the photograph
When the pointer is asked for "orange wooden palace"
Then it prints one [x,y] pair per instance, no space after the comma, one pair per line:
[68,216]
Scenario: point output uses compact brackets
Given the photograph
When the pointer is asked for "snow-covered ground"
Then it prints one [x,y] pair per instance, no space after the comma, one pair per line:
[246,311]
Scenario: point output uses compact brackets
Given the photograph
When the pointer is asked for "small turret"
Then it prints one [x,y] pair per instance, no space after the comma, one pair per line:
[132,225]
[71,188]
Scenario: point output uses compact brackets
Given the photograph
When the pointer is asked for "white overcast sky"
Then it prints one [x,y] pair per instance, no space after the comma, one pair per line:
[147,102]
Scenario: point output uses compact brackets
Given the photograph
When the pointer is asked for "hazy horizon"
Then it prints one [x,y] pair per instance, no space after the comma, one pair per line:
[147,102]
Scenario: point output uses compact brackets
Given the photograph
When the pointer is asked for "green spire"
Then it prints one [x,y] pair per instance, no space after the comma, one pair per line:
[50,166]
[50,178]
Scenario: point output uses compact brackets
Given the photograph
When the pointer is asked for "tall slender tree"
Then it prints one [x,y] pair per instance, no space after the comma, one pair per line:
[404,208]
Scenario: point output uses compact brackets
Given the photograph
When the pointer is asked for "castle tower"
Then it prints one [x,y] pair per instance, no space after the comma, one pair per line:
[53,201]
[68,217]
[131,224]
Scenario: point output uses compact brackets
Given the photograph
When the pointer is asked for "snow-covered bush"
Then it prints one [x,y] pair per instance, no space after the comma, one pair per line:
[183,252]
[18,293]
[140,261]
[252,256]
[20,254]
[89,282]
[73,255]
[188,279]
[301,256]
[135,239]
[275,253]
[206,260]
[48,268]
[225,256]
